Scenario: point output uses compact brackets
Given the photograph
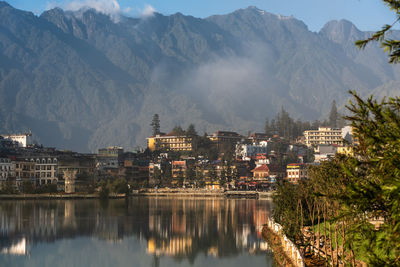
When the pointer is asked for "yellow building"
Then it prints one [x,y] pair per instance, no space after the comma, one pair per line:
[296,172]
[169,142]
[323,136]
[345,150]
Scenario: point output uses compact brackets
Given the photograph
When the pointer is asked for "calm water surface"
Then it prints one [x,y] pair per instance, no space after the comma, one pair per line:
[134,232]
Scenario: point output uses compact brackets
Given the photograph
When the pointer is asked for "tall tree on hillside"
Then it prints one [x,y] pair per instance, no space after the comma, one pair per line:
[191,131]
[333,115]
[267,128]
[155,124]
[178,131]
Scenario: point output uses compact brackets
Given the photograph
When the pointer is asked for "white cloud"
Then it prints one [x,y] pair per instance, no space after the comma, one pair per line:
[148,11]
[108,7]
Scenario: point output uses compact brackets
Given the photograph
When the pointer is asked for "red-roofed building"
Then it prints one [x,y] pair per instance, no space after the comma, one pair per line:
[261,173]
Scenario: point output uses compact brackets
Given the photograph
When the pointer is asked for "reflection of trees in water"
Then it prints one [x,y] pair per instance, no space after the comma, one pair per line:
[177,227]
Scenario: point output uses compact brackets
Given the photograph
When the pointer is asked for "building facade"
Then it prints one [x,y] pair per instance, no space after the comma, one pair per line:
[324,136]
[24,171]
[296,172]
[45,169]
[225,140]
[23,140]
[261,173]
[245,151]
[6,170]
[169,142]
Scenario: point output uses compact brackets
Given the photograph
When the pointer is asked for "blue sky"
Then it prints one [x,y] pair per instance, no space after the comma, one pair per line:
[365,14]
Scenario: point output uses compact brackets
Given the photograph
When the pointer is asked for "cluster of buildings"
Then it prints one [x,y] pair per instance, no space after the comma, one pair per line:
[21,161]
[256,161]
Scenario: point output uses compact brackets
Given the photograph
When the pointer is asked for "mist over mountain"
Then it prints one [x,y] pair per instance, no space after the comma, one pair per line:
[83,80]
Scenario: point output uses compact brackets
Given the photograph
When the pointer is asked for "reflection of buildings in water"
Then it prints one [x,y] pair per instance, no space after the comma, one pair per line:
[169,226]
[69,214]
[44,222]
[107,228]
[208,222]
[172,247]
[260,216]
[36,220]
[19,248]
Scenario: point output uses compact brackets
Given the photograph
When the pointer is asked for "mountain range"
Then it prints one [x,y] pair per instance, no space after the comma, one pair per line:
[82,80]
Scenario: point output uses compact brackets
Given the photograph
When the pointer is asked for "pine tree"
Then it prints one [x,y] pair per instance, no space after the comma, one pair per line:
[155,124]
[191,131]
[333,115]
[267,128]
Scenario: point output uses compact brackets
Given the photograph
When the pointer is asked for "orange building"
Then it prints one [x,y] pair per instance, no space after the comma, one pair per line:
[261,173]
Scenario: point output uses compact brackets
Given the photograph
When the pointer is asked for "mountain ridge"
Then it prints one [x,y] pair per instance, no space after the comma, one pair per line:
[82,81]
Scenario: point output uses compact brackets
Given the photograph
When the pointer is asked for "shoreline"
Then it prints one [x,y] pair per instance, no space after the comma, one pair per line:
[152,193]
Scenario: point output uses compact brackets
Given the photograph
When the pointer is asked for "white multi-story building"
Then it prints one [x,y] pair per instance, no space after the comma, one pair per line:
[23,140]
[248,151]
[46,169]
[323,136]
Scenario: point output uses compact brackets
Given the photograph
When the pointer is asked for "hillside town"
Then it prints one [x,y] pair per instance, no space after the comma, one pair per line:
[223,160]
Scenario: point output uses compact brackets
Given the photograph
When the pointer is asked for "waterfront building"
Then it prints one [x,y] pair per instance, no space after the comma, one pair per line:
[324,135]
[178,169]
[83,164]
[296,172]
[6,170]
[110,157]
[45,169]
[152,173]
[24,170]
[261,173]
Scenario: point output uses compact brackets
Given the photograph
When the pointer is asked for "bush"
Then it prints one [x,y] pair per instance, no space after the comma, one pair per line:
[27,187]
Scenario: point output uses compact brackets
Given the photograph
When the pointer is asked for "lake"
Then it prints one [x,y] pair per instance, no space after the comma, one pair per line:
[138,231]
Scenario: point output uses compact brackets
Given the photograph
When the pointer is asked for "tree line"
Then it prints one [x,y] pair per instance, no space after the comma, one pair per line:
[350,206]
[289,128]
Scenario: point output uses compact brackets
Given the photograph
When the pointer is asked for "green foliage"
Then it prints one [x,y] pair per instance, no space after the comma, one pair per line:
[352,192]
[191,131]
[285,206]
[155,124]
[8,188]
[333,116]
[375,178]
[178,131]
[190,174]
[46,188]
[286,127]
[104,190]
[390,46]
[120,186]
[27,187]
